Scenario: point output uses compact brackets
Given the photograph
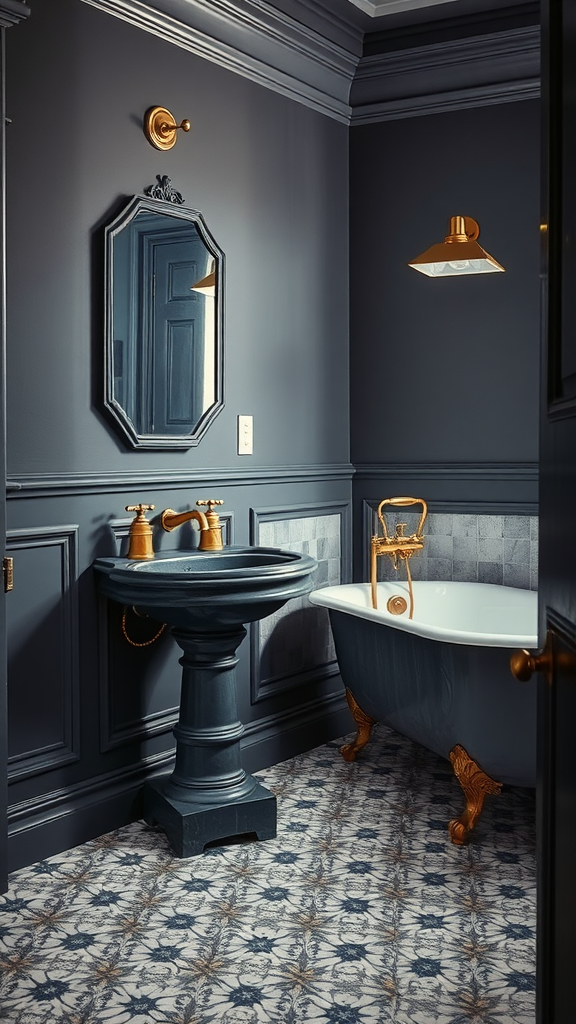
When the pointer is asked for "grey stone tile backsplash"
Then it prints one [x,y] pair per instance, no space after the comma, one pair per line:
[298,637]
[471,548]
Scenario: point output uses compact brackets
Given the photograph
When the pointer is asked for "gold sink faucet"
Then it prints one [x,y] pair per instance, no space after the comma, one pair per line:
[397,547]
[140,544]
[209,522]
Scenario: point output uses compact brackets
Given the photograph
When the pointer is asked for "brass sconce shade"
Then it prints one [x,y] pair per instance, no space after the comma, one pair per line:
[206,285]
[459,253]
[160,127]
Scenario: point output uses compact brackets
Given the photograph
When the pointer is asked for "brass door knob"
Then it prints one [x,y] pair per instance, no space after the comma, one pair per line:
[524,663]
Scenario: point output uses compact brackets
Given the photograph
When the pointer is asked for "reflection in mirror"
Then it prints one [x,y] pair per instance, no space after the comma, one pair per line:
[164,375]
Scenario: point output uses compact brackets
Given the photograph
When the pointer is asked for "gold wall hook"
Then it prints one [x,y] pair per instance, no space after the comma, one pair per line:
[161,129]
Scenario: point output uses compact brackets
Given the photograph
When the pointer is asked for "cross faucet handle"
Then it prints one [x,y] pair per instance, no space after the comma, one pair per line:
[211,502]
[140,509]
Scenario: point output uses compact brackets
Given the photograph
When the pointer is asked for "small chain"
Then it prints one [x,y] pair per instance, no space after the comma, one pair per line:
[145,643]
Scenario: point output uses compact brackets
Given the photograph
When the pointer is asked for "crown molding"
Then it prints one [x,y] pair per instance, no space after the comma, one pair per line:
[440,103]
[498,67]
[253,39]
[12,11]
[380,8]
[315,59]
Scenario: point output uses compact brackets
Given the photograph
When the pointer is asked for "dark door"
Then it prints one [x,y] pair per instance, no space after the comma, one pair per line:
[3,671]
[10,14]
[557,586]
[172,367]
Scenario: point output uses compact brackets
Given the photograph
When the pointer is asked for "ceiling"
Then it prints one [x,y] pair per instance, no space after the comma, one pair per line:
[379,8]
[377,15]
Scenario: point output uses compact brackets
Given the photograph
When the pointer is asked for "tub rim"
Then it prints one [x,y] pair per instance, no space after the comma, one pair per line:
[333,597]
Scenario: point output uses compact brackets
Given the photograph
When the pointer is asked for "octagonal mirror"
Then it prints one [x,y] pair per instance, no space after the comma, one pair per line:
[164,276]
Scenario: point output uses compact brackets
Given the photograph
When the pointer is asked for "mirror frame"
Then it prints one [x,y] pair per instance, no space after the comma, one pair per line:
[120,418]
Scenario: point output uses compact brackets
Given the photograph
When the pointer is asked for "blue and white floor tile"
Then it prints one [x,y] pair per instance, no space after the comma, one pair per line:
[361,911]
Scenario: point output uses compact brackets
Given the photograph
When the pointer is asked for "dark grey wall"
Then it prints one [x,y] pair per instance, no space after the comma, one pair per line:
[445,370]
[89,716]
[270,177]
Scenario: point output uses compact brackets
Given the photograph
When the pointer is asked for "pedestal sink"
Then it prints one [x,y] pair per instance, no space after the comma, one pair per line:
[206,598]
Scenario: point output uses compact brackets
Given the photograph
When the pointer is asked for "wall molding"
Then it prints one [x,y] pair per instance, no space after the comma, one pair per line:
[300,719]
[66,751]
[38,485]
[498,67]
[523,471]
[140,729]
[252,39]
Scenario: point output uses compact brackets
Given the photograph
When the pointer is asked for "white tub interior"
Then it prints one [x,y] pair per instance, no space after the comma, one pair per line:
[480,614]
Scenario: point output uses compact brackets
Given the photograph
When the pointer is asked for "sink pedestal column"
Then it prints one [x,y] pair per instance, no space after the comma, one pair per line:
[209,795]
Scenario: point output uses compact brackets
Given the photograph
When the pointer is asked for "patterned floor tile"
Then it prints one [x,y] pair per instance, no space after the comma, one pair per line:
[360,911]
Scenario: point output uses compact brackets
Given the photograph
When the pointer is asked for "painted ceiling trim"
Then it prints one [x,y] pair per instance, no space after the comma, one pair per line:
[327,72]
[250,38]
[441,103]
[501,67]
[378,8]
[12,11]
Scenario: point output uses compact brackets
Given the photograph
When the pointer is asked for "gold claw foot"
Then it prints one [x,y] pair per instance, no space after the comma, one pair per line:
[476,785]
[364,724]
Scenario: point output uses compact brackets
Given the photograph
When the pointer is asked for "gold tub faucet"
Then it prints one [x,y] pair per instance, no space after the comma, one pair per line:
[398,547]
[209,522]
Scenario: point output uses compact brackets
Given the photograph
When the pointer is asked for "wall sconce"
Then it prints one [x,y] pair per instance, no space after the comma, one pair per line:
[160,127]
[459,253]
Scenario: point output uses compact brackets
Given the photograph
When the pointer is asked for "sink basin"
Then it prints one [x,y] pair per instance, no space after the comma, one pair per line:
[206,598]
[208,589]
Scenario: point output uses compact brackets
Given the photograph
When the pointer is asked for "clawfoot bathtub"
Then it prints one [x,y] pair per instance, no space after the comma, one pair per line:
[442,678]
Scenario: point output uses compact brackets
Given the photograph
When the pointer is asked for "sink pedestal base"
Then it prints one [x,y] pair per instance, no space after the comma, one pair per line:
[189,827]
[208,796]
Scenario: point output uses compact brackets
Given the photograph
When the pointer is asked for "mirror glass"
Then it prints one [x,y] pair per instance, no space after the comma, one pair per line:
[164,339]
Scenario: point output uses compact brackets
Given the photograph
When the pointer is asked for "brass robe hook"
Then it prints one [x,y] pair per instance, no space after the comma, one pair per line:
[160,127]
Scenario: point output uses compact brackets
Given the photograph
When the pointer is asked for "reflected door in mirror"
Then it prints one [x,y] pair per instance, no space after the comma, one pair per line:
[164,340]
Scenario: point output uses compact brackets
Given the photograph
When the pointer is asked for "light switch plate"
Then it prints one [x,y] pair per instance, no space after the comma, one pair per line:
[245,435]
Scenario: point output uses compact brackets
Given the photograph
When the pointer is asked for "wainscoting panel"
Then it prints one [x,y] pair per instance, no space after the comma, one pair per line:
[295,644]
[69,661]
[42,624]
[139,682]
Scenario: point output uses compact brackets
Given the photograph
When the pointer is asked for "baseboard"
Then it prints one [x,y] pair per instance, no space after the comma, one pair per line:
[65,818]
